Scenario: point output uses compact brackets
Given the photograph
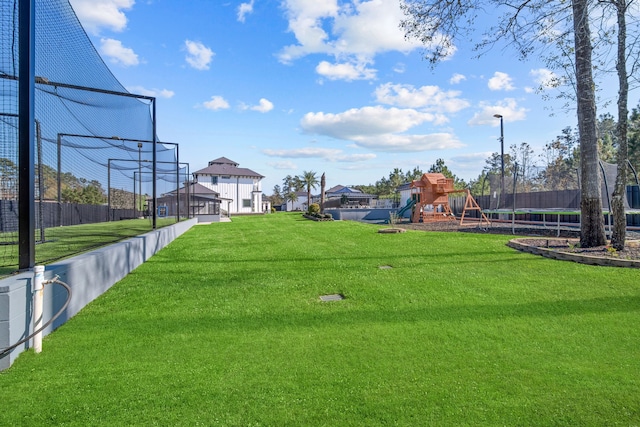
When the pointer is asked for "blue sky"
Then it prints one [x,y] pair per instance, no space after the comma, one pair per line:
[286,86]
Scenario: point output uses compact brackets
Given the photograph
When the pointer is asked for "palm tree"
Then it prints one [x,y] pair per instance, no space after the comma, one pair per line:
[292,197]
[310,180]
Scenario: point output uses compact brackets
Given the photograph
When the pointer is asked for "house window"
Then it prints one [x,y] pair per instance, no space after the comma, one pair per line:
[246,203]
[214,180]
[225,177]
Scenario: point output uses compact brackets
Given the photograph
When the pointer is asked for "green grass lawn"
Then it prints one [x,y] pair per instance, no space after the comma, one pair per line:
[64,242]
[225,327]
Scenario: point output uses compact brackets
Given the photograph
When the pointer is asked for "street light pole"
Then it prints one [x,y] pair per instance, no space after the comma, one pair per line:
[498,116]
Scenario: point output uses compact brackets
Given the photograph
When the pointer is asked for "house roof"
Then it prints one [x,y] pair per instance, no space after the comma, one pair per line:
[196,190]
[340,190]
[223,161]
[224,166]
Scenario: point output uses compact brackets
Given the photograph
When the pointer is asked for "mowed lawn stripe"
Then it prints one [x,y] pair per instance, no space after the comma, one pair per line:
[225,327]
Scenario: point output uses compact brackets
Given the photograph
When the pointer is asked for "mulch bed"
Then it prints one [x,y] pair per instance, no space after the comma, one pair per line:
[542,237]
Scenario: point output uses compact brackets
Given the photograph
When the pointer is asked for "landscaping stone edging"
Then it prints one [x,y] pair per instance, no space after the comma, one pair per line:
[521,245]
[314,218]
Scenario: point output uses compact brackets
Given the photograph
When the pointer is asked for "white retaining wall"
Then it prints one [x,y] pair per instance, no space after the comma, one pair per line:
[89,275]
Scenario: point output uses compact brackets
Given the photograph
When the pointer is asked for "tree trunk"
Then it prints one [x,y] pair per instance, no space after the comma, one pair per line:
[592,224]
[323,183]
[617,201]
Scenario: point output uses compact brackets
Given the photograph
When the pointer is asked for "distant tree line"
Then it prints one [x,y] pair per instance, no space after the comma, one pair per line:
[291,185]
[555,168]
[72,188]
[577,55]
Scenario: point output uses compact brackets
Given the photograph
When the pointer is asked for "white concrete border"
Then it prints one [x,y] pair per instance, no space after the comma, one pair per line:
[89,275]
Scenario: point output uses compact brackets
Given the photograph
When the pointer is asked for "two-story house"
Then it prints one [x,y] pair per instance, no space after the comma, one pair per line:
[239,185]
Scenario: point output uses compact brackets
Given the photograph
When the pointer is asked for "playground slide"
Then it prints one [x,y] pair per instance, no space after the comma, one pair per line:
[408,206]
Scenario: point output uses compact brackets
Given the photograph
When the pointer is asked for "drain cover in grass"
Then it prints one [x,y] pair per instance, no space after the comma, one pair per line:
[385,267]
[332,297]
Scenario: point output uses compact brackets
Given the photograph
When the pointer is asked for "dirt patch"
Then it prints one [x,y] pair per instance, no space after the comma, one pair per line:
[391,230]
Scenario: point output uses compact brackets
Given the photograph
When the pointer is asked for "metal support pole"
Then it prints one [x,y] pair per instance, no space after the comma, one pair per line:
[109,190]
[135,210]
[177,185]
[59,180]
[155,166]
[26,133]
[515,181]
[502,187]
[40,221]
[502,190]
[135,205]
[187,192]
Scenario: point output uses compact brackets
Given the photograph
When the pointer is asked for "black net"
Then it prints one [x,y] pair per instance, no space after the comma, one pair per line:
[531,187]
[609,173]
[94,140]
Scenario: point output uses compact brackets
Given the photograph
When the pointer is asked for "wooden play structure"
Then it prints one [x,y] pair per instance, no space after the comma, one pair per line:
[434,189]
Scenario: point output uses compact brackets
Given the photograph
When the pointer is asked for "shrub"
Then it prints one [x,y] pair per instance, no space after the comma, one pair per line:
[328,216]
[314,208]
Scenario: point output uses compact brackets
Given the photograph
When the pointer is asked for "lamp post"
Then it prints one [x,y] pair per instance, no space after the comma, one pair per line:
[499,116]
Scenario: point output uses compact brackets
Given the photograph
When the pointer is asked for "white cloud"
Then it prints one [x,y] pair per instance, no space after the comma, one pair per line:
[457,78]
[345,71]
[352,32]
[409,143]
[216,103]
[117,53]
[245,9]
[352,158]
[500,81]
[380,129]
[264,106]
[468,165]
[306,23]
[330,154]
[507,108]
[400,68]
[303,153]
[431,98]
[369,121]
[157,93]
[471,158]
[198,55]
[285,165]
[371,27]
[545,78]
[97,14]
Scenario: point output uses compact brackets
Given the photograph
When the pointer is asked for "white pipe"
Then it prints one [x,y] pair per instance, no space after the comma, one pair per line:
[38,303]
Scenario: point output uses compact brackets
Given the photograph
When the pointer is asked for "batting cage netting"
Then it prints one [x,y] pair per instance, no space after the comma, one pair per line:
[94,141]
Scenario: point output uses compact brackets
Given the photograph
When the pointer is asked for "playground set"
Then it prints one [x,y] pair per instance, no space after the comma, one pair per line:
[429,200]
